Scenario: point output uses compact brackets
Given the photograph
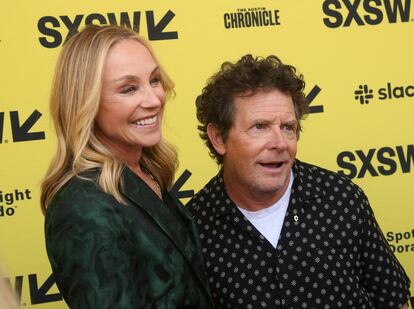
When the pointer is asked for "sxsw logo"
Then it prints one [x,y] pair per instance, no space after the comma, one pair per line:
[20,129]
[365,94]
[384,161]
[345,13]
[52,27]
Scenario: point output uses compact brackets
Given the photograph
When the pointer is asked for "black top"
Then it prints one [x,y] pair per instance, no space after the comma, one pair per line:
[331,252]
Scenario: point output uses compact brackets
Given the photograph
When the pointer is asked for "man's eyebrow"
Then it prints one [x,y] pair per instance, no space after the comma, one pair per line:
[292,121]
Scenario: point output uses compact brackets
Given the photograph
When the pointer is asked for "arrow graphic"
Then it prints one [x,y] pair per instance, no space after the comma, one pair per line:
[39,295]
[179,183]
[21,133]
[310,97]
[155,32]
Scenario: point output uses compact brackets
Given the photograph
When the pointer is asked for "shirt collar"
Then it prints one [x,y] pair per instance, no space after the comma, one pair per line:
[308,183]
[305,185]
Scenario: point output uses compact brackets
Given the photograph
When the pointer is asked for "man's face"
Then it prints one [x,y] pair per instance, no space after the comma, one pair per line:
[261,147]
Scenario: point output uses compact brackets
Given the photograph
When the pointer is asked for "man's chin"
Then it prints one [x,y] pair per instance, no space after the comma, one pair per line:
[274,184]
[269,188]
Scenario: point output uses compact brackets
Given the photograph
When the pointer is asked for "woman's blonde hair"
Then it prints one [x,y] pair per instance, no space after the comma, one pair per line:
[74,103]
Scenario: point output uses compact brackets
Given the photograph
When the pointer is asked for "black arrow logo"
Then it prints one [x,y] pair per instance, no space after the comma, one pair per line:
[310,97]
[21,133]
[179,183]
[155,32]
[39,295]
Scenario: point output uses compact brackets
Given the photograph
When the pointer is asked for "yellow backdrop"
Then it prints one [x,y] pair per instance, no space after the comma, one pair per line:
[356,56]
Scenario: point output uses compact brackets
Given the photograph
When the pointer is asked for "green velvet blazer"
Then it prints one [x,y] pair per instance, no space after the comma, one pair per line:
[108,255]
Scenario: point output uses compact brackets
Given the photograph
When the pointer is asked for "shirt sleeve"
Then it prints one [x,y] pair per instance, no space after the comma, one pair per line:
[88,254]
[381,273]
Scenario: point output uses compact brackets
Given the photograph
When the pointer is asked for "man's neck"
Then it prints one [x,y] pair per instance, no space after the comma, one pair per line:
[252,200]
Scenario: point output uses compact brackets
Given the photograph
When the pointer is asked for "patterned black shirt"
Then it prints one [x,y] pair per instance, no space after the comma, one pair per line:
[331,252]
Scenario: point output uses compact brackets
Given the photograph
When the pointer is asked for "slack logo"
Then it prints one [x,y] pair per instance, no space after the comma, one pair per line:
[365,94]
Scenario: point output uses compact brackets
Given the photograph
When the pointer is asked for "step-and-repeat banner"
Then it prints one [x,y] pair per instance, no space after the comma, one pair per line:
[356,56]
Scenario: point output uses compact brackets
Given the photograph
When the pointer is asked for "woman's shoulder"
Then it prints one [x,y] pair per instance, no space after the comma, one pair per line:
[78,187]
[80,196]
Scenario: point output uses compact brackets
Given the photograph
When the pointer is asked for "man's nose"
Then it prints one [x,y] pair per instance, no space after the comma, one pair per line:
[277,139]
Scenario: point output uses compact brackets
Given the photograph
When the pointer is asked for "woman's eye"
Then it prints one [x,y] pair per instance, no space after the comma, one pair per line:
[128,89]
[155,81]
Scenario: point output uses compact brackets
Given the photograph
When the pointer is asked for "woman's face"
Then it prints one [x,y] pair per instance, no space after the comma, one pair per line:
[132,100]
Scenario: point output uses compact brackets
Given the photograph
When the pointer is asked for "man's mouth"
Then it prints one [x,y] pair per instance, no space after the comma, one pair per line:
[271,164]
[146,121]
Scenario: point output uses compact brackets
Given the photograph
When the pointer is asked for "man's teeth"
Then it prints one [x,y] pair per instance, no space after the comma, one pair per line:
[146,121]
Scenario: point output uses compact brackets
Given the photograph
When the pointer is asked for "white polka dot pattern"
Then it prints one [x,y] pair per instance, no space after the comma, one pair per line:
[331,252]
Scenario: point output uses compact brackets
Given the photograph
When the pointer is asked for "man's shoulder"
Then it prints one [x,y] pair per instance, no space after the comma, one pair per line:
[310,171]
[201,200]
[325,178]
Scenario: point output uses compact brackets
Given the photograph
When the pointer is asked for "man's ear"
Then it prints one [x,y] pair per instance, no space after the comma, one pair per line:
[216,139]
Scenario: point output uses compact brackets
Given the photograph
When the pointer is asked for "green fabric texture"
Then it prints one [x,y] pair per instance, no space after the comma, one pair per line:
[107,255]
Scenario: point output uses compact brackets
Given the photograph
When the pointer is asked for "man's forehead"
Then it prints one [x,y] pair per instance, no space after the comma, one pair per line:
[260,90]
[269,99]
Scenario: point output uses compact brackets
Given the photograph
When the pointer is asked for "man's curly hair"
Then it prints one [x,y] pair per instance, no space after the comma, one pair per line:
[246,77]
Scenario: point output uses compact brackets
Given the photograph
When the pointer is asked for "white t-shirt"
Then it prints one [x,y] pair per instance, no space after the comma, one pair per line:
[269,221]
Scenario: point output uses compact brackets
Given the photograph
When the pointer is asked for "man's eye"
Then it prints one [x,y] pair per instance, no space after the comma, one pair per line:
[259,126]
[288,127]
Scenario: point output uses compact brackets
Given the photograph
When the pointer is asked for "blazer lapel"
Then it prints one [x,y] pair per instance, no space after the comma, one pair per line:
[194,255]
[143,197]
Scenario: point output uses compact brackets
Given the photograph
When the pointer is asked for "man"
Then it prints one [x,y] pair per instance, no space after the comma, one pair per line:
[277,232]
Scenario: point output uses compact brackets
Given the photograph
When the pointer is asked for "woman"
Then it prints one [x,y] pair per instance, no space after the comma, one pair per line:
[115,237]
